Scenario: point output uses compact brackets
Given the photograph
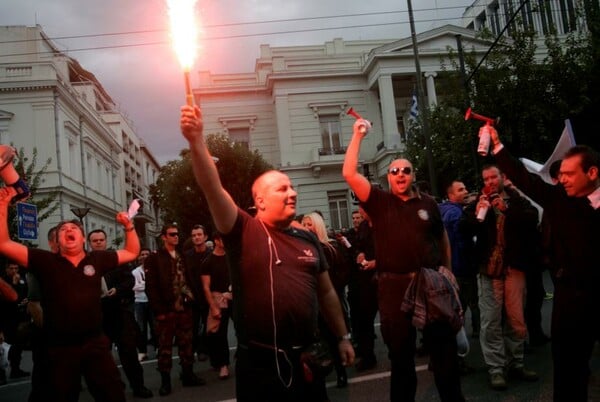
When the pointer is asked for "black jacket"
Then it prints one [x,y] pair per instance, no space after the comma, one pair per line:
[159,281]
[521,235]
[575,225]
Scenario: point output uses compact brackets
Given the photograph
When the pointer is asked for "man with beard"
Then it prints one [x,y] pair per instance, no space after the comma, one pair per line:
[507,247]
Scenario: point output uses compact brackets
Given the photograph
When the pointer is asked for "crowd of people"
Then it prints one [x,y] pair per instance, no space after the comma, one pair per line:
[288,283]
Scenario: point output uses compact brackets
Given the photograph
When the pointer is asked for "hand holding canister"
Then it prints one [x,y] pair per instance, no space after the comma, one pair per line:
[365,124]
[484,131]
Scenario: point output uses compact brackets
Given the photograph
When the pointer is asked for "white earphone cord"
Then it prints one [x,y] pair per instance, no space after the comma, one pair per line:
[272,289]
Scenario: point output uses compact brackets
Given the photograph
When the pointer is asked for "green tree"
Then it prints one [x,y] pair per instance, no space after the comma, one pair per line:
[179,197]
[27,167]
[531,97]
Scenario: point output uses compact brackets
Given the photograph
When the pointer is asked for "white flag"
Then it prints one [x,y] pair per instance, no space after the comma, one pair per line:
[565,142]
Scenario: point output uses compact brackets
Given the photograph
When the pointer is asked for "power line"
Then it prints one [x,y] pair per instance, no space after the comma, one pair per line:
[238,36]
[236,24]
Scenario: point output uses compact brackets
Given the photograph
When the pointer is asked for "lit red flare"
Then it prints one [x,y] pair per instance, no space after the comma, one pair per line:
[184,33]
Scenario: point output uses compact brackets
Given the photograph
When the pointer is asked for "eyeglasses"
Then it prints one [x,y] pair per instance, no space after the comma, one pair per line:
[172,234]
[395,170]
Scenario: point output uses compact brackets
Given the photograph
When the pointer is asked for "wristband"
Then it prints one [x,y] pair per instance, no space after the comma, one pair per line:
[131,229]
[345,337]
[22,190]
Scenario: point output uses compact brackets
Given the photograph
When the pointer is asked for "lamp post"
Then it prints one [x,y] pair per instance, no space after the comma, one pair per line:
[80,213]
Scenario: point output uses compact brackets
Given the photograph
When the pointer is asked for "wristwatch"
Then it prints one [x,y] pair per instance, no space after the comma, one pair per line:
[345,337]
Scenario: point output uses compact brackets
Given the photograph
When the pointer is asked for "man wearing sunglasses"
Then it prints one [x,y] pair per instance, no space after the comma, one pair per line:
[171,297]
[409,234]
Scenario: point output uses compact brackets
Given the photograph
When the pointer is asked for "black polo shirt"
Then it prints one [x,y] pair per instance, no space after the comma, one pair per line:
[407,234]
[71,295]
[267,291]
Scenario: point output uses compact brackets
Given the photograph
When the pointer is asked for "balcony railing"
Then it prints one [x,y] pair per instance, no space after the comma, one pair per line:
[332,151]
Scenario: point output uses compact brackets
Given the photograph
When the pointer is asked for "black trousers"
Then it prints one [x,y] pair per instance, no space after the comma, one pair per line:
[469,298]
[91,359]
[40,371]
[399,336]
[122,330]
[262,375]
[199,342]
[534,302]
[218,345]
[575,330]
[366,313]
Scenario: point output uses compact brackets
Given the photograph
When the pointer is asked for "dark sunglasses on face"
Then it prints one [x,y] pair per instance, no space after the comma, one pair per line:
[172,234]
[395,170]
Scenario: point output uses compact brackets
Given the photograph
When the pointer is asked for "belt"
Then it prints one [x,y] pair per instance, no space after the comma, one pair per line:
[255,345]
[265,355]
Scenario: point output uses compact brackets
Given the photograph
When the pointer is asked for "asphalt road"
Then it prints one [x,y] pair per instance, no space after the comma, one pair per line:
[372,385]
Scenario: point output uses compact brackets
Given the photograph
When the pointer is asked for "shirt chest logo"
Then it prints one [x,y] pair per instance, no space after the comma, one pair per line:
[89,270]
[423,214]
[308,256]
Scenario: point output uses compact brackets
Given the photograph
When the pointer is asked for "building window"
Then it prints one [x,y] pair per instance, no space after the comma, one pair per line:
[73,160]
[546,16]
[508,12]
[88,172]
[481,21]
[330,135]
[567,13]
[527,16]
[238,128]
[240,136]
[494,18]
[338,210]
[400,125]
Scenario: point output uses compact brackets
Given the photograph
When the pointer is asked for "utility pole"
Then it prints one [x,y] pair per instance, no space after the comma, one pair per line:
[421,103]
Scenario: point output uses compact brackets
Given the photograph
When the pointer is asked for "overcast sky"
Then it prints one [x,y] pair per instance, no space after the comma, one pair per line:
[140,71]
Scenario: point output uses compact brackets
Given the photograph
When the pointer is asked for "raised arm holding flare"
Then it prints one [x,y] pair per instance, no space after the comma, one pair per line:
[279,279]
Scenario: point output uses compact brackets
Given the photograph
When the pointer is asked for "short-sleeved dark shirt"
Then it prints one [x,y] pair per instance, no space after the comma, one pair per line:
[261,287]
[217,268]
[194,261]
[71,295]
[407,234]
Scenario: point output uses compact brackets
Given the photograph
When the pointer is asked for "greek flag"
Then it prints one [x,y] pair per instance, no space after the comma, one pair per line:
[414,107]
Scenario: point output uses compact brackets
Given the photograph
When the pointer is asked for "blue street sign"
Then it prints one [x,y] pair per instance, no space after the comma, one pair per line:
[27,221]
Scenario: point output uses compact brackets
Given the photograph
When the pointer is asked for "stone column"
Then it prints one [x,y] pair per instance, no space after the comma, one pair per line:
[282,114]
[431,95]
[391,137]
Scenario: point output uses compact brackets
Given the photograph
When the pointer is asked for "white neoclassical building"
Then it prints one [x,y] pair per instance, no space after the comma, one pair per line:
[543,16]
[98,163]
[293,107]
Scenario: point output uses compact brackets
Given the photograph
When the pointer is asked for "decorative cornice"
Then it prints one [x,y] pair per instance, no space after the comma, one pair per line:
[319,108]
[244,120]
